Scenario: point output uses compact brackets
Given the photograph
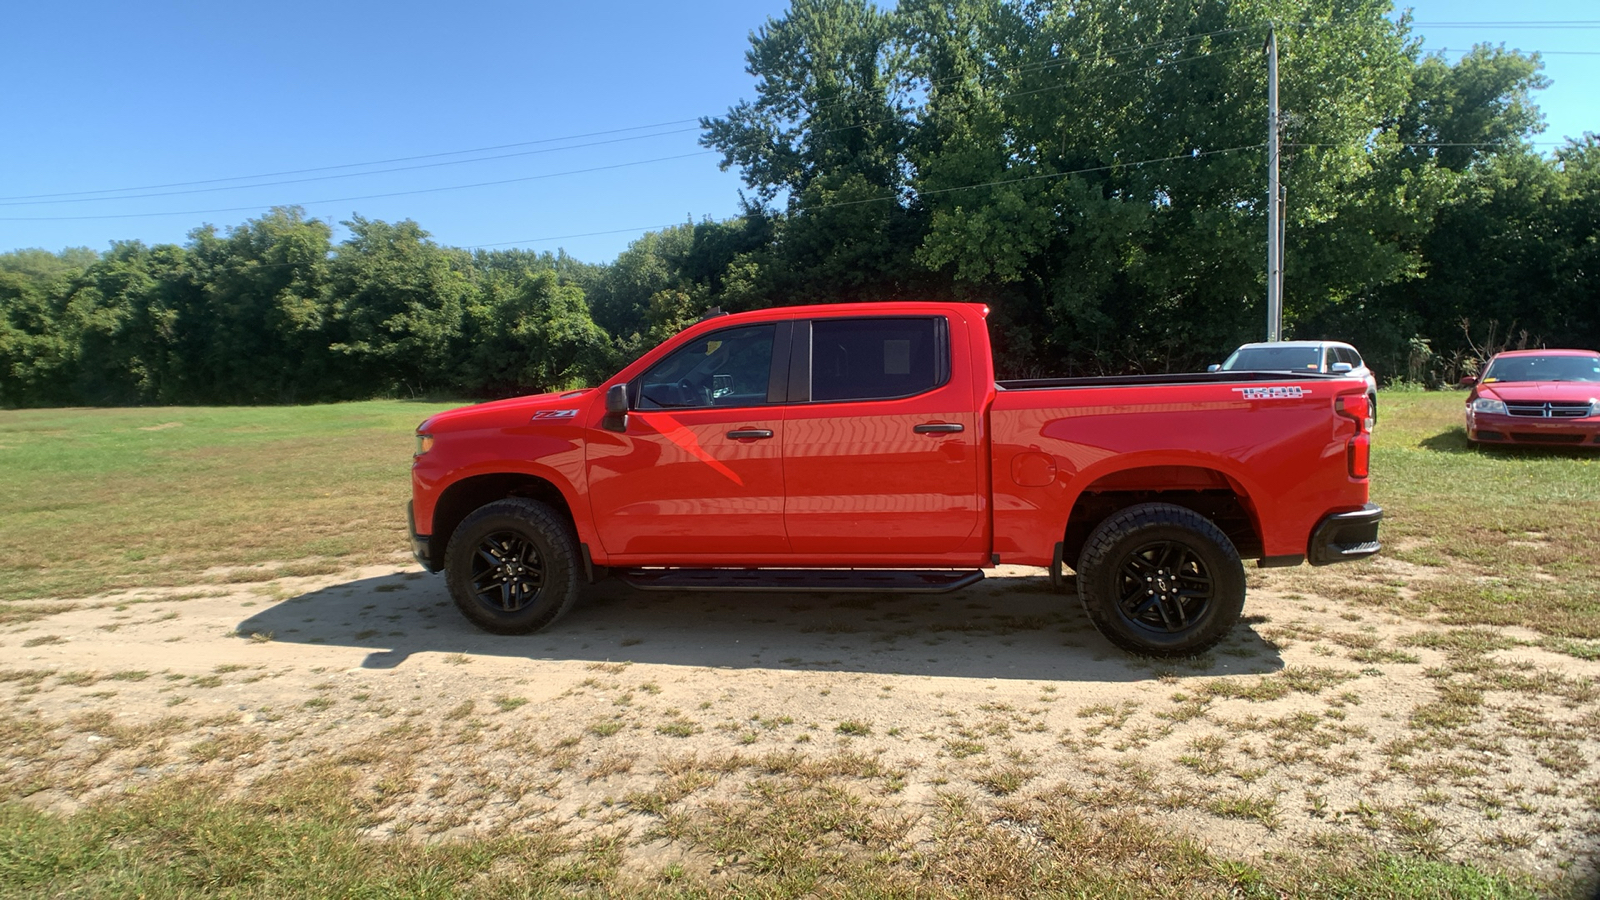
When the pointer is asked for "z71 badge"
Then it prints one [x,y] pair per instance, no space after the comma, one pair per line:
[555,414]
[1272,393]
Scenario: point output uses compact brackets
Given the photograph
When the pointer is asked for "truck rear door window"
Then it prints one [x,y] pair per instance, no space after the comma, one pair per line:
[877,359]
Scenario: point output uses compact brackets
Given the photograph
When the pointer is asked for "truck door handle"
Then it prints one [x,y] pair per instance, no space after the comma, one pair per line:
[939,428]
[749,434]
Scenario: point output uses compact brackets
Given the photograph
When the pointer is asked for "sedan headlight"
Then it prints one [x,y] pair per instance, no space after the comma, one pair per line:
[1594,407]
[1489,405]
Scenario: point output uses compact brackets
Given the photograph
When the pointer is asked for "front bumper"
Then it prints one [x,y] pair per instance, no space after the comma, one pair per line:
[419,542]
[1492,428]
[1342,537]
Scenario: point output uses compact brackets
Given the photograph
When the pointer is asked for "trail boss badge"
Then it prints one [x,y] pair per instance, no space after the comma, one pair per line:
[1272,393]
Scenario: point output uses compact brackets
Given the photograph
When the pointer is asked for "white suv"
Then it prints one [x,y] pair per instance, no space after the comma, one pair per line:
[1327,357]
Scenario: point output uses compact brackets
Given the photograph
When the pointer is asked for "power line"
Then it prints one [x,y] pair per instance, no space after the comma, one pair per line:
[379,162]
[1157,46]
[30,199]
[1132,48]
[1515,50]
[813,132]
[1427,145]
[241,187]
[1196,154]
[1524,23]
[454,187]
[1193,155]
[1035,67]
[563,237]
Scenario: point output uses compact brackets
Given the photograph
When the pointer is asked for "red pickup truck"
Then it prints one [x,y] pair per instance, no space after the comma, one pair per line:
[863,447]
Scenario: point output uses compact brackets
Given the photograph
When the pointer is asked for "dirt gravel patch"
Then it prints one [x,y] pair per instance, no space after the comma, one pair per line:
[653,720]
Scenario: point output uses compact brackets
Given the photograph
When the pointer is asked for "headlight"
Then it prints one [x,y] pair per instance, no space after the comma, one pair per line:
[424,444]
[1594,407]
[1489,405]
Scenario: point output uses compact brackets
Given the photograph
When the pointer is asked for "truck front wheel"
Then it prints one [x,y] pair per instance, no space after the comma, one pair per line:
[512,567]
[1161,580]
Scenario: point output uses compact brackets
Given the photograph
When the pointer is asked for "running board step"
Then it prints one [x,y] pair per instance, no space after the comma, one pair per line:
[905,581]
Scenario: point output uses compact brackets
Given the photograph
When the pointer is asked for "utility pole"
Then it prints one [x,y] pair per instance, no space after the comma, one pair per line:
[1274,214]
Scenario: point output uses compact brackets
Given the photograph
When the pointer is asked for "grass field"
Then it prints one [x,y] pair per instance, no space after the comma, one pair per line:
[100,500]
[117,498]
[1497,536]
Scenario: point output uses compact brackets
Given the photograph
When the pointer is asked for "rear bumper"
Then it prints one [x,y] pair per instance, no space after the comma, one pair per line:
[419,542]
[1347,536]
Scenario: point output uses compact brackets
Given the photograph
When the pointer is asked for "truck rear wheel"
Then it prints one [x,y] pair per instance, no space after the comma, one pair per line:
[512,566]
[1161,580]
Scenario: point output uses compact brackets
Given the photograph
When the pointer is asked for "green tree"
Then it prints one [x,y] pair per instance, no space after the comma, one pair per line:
[827,134]
[38,348]
[531,335]
[254,331]
[397,305]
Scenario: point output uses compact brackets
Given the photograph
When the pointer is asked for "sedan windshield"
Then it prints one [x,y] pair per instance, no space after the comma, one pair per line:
[1544,368]
[1274,359]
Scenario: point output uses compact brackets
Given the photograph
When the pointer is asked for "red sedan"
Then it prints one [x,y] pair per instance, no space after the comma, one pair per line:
[1536,397]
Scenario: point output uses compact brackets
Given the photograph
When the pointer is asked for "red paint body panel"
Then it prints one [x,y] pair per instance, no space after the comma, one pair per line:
[860,483]
[852,484]
[675,483]
[1285,457]
[503,437]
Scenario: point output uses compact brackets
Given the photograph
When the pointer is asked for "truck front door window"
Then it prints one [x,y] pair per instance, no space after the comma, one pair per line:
[726,368]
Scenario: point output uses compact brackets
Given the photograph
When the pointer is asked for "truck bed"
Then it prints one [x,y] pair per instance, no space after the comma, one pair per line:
[1262,451]
[1041,384]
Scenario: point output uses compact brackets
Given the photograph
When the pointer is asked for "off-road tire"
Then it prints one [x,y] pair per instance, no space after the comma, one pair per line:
[512,566]
[1121,589]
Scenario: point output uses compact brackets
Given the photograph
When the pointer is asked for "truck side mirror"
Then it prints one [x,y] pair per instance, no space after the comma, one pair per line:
[616,409]
[1342,368]
[1214,367]
[1468,380]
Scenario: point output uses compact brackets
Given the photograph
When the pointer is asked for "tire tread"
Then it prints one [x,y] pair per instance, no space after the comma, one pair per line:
[561,559]
[1093,568]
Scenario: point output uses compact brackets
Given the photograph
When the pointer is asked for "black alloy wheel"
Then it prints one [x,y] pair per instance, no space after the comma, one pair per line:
[507,573]
[512,566]
[1164,586]
[1161,580]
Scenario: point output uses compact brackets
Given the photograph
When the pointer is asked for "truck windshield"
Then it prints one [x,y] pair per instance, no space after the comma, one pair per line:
[1274,359]
[1544,368]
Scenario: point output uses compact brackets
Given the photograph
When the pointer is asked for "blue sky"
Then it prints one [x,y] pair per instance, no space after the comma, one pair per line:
[168,96]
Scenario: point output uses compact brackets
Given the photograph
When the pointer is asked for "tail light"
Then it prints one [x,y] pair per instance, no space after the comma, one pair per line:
[1356,454]
[1356,407]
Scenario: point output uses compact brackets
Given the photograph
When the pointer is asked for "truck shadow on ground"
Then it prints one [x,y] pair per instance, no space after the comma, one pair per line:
[1013,628]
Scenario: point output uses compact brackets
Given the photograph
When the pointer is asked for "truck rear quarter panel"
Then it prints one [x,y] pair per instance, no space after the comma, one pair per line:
[1285,457]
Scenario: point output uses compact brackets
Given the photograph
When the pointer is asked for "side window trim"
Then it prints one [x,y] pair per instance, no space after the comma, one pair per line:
[778,375]
[800,362]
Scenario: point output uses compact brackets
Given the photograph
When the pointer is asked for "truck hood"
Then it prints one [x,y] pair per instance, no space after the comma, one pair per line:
[1531,391]
[504,413]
